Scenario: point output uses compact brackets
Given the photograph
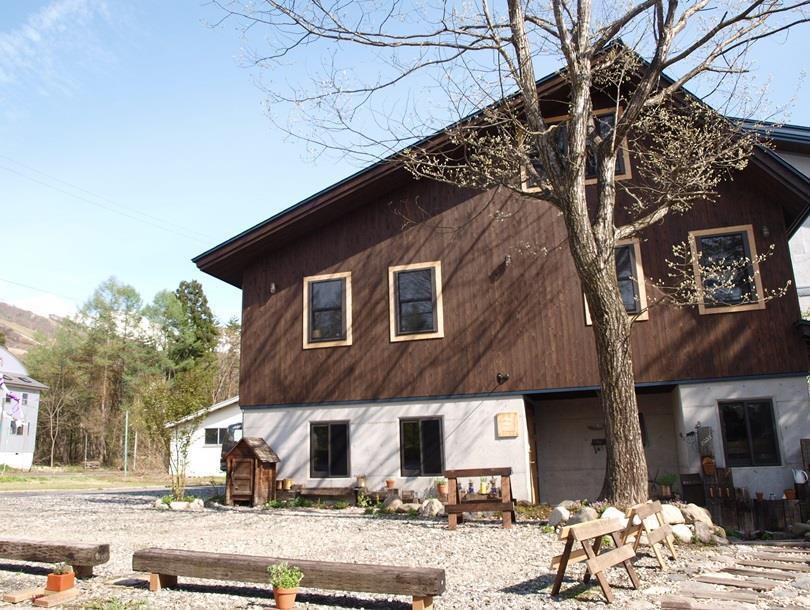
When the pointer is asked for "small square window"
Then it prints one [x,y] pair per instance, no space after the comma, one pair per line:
[415,294]
[212,436]
[632,285]
[329,450]
[726,270]
[421,447]
[327,310]
[24,399]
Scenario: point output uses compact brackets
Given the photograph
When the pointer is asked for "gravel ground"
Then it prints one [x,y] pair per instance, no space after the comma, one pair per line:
[487,567]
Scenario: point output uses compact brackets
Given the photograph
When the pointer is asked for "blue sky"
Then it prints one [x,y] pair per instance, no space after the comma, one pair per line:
[132,138]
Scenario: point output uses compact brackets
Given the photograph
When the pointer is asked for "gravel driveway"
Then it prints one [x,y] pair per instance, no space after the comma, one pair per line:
[487,567]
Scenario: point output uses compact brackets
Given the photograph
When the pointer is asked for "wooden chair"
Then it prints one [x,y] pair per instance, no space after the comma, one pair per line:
[655,536]
[589,536]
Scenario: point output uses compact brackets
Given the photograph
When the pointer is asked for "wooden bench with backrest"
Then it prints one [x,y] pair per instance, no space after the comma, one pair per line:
[165,565]
[648,514]
[589,536]
[80,555]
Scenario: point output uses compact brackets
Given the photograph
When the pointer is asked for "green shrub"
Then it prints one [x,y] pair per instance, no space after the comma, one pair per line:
[341,504]
[114,604]
[302,502]
[284,576]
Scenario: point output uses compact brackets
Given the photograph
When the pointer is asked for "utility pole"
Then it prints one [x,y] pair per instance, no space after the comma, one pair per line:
[135,453]
[126,439]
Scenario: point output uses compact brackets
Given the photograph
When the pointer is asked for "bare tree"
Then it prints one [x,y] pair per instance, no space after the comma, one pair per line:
[484,55]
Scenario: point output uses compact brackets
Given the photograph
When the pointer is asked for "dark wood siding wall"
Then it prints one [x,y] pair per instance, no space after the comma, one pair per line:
[512,302]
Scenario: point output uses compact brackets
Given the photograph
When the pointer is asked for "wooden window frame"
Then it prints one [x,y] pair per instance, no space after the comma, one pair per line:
[641,282]
[624,149]
[347,303]
[394,336]
[748,230]
[315,475]
[745,402]
[419,420]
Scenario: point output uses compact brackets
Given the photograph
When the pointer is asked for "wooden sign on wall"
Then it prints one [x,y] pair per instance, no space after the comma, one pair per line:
[506,425]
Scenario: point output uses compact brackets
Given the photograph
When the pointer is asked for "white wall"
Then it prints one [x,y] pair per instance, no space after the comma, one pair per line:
[469,439]
[791,404]
[800,242]
[17,451]
[204,459]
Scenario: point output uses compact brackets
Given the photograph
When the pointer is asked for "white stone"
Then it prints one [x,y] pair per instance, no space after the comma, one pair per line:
[682,533]
[693,513]
[179,505]
[569,504]
[406,507]
[586,513]
[392,503]
[196,505]
[672,514]
[703,532]
[431,508]
[559,516]
[614,513]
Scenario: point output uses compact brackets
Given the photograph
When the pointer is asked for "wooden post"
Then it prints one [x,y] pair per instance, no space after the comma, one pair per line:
[83,571]
[159,581]
[506,496]
[452,498]
[422,603]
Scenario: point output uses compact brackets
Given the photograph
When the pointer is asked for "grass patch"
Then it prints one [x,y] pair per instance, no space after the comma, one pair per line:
[539,512]
[115,604]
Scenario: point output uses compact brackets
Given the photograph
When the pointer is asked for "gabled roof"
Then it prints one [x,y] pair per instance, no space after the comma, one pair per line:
[228,260]
[794,138]
[259,447]
[23,381]
[207,411]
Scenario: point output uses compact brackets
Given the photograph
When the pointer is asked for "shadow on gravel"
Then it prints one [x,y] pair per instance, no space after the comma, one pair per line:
[531,587]
[339,601]
[25,568]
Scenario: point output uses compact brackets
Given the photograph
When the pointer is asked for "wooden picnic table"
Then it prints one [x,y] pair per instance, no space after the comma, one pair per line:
[503,503]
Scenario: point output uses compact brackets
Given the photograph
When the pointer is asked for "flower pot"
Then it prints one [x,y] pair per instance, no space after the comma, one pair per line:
[441,489]
[760,496]
[288,483]
[790,494]
[61,582]
[389,483]
[709,468]
[666,491]
[285,598]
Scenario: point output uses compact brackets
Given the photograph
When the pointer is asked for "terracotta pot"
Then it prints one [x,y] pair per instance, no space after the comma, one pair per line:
[61,582]
[285,598]
[709,468]
[666,491]
[441,489]
[760,496]
[288,483]
[389,483]
[790,494]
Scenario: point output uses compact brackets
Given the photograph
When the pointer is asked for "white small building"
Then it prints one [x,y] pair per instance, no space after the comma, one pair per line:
[18,423]
[206,443]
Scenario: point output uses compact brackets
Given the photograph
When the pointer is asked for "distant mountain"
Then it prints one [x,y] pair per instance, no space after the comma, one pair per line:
[23,328]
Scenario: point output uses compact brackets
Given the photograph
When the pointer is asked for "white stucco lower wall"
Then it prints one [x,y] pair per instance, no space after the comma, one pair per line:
[698,403]
[17,450]
[203,460]
[469,438]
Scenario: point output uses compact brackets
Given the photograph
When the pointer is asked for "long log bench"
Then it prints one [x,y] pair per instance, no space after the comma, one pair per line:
[80,555]
[165,565]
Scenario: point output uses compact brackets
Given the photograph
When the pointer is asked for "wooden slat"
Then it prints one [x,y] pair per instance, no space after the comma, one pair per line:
[15,597]
[658,534]
[574,557]
[369,578]
[769,574]
[483,506]
[731,596]
[611,558]
[781,557]
[478,472]
[73,553]
[678,602]
[750,583]
[776,565]
[591,529]
[50,600]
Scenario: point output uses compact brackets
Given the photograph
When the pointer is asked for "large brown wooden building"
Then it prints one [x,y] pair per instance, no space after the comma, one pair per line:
[393,327]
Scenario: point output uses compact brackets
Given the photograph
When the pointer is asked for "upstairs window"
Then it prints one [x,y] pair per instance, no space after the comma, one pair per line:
[421,447]
[24,399]
[630,275]
[328,310]
[605,121]
[415,295]
[329,450]
[215,436]
[749,433]
[726,269]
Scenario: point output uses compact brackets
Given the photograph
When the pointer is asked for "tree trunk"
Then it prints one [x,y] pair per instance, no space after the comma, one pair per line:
[626,467]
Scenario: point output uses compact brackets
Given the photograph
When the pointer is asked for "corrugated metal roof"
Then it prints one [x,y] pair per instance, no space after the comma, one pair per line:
[23,381]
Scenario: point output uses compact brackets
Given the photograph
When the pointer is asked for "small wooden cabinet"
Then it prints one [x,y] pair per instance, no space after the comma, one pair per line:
[250,472]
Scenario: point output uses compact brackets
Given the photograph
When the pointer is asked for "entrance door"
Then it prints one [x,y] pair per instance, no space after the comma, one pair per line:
[532,432]
[242,477]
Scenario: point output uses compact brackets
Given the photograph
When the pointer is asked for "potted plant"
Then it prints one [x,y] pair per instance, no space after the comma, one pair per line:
[483,487]
[389,483]
[666,481]
[61,578]
[441,486]
[790,494]
[285,580]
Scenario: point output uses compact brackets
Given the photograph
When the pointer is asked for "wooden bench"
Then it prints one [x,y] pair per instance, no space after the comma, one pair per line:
[81,556]
[503,504]
[589,536]
[165,565]
[655,536]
